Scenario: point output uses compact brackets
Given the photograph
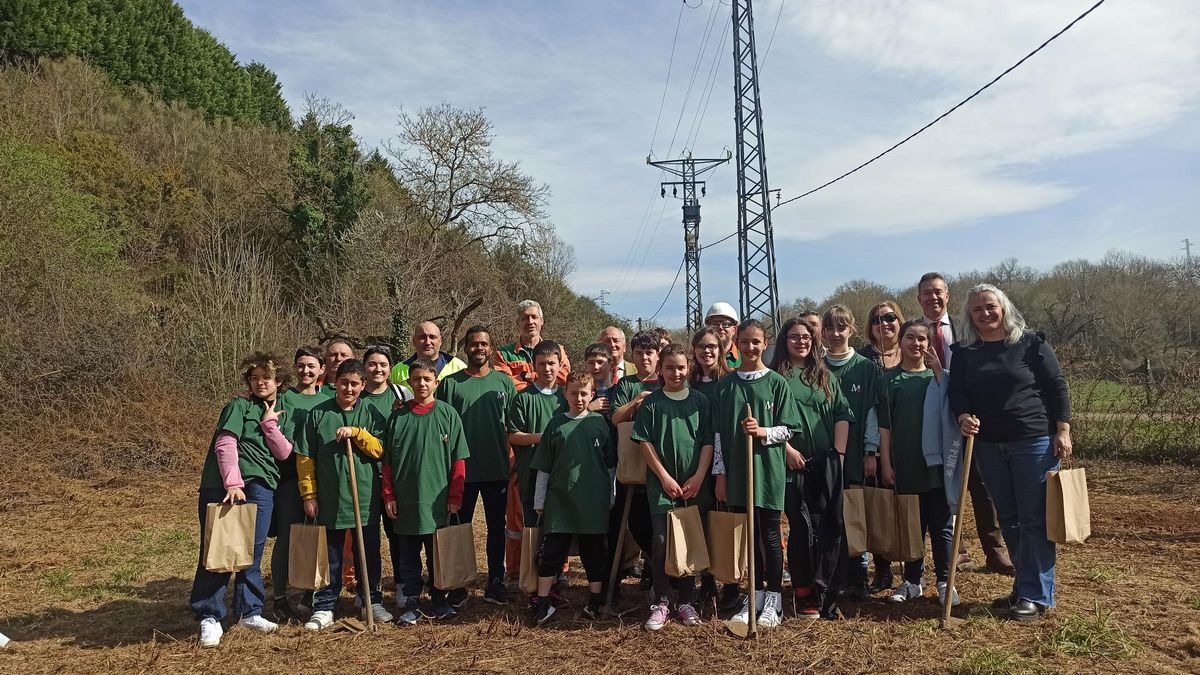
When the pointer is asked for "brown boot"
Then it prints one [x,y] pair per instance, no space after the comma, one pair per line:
[998,562]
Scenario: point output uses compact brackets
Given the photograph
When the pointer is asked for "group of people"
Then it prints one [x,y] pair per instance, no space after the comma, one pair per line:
[536,440]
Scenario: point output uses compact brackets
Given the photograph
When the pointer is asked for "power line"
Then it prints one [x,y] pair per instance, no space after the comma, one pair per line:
[946,114]
[667,84]
[669,291]
[771,41]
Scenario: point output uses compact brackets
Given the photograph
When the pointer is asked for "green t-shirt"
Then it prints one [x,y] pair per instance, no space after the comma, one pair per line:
[862,385]
[577,453]
[627,388]
[298,406]
[906,411]
[772,404]
[384,400]
[421,450]
[530,412]
[482,403]
[817,414]
[709,389]
[677,430]
[241,418]
[335,504]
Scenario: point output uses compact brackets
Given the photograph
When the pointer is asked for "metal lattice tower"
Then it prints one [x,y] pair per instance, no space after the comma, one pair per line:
[687,169]
[758,291]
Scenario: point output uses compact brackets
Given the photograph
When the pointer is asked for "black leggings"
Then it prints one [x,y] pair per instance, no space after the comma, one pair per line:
[592,551]
[768,558]
[813,503]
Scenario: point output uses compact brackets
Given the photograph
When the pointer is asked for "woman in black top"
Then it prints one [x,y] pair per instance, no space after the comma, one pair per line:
[1007,390]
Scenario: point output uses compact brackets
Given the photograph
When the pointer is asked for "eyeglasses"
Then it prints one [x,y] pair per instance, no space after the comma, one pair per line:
[803,337]
[890,317]
[708,347]
[722,324]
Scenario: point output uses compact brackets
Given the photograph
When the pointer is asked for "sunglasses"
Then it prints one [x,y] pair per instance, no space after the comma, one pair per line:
[890,317]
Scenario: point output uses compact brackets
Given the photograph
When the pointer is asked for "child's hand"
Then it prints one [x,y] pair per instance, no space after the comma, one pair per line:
[691,487]
[390,507]
[451,507]
[869,466]
[397,404]
[795,460]
[887,475]
[270,413]
[344,433]
[721,488]
[750,426]
[234,495]
[310,508]
[672,488]
[599,404]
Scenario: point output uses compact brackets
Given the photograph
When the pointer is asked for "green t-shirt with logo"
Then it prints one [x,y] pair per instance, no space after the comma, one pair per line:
[677,429]
[772,404]
[818,414]
[482,403]
[298,406]
[577,453]
[862,385]
[241,417]
[530,412]
[906,412]
[421,450]
[335,504]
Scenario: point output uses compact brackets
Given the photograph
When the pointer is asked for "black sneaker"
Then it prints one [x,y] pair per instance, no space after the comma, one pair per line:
[287,612]
[496,593]
[444,610]
[1005,603]
[705,597]
[1026,611]
[543,609]
[557,599]
[592,609]
[457,597]
[731,598]
[884,581]
[856,591]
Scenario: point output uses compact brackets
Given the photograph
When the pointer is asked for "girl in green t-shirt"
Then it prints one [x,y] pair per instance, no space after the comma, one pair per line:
[242,467]
[903,462]
[813,497]
[674,427]
[705,371]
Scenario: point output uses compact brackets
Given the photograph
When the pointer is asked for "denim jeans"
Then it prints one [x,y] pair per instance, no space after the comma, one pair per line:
[325,598]
[682,588]
[495,503]
[208,588]
[1015,475]
[936,521]
[289,510]
[410,582]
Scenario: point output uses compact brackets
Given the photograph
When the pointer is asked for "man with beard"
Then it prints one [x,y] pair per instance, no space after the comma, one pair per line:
[481,395]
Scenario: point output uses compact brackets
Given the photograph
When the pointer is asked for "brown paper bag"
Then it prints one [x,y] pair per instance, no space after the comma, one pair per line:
[727,546]
[687,552]
[531,538]
[1068,513]
[855,512]
[454,557]
[909,543]
[229,537]
[308,557]
[880,508]
[631,465]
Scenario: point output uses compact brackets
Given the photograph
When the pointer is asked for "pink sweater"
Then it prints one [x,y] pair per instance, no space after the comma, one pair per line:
[227,452]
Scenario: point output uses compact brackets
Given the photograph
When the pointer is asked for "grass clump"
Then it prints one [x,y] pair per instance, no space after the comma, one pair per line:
[1096,635]
[988,661]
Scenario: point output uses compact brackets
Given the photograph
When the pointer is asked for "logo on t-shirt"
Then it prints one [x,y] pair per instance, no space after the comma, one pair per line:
[445,439]
[596,443]
[856,388]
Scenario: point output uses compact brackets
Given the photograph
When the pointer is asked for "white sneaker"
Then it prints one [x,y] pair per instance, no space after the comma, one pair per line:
[380,614]
[319,621]
[210,632]
[258,623]
[941,589]
[907,591]
[739,624]
[772,612]
[659,614]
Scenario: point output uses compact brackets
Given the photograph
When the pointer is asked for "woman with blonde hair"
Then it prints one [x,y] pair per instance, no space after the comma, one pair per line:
[883,334]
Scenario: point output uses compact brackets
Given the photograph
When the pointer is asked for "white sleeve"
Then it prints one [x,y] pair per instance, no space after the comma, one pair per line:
[777,435]
[539,493]
[718,465]
[871,433]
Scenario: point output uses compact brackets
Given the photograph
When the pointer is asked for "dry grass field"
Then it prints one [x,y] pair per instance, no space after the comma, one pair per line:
[94,577]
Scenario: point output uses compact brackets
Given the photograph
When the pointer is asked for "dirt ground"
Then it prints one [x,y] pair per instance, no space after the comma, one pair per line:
[94,577]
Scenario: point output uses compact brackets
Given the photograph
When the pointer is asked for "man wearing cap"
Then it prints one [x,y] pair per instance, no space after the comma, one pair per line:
[724,318]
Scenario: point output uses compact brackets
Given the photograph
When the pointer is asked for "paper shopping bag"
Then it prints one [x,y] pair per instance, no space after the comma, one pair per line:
[454,557]
[531,538]
[229,537]
[1068,513]
[631,465]
[910,545]
[727,546]
[308,557]
[855,513]
[879,505]
[687,552]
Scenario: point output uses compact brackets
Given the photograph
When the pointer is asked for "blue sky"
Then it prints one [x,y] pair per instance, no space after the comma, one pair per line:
[1092,145]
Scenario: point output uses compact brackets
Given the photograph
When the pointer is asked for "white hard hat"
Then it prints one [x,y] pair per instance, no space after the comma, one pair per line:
[721,309]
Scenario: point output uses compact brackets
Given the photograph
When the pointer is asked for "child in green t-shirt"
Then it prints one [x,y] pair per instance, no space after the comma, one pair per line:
[529,413]
[250,440]
[324,476]
[674,427]
[903,461]
[425,454]
[813,497]
[773,418]
[575,463]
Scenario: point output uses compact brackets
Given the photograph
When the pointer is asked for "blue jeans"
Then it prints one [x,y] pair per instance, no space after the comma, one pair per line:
[1015,476]
[208,588]
[938,524]
[495,505]
[325,598]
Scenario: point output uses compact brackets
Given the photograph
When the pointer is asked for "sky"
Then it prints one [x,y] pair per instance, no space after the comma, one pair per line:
[1092,145]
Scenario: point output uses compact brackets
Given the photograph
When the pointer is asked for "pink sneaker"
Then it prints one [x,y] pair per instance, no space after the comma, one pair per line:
[658,616]
[687,614]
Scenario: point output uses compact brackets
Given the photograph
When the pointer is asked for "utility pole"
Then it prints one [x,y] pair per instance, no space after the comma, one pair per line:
[603,302]
[1187,248]
[757,287]
[687,169]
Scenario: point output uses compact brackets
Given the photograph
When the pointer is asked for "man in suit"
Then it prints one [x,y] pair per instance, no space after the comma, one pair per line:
[933,294]
[615,339]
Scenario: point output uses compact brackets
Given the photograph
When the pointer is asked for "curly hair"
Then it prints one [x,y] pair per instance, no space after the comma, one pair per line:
[276,367]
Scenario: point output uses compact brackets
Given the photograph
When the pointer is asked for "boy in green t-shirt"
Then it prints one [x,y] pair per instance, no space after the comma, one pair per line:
[425,454]
[575,463]
[674,427]
[324,475]
[531,410]
[481,396]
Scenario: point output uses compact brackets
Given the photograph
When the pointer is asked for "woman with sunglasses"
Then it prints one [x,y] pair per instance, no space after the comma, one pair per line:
[884,335]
